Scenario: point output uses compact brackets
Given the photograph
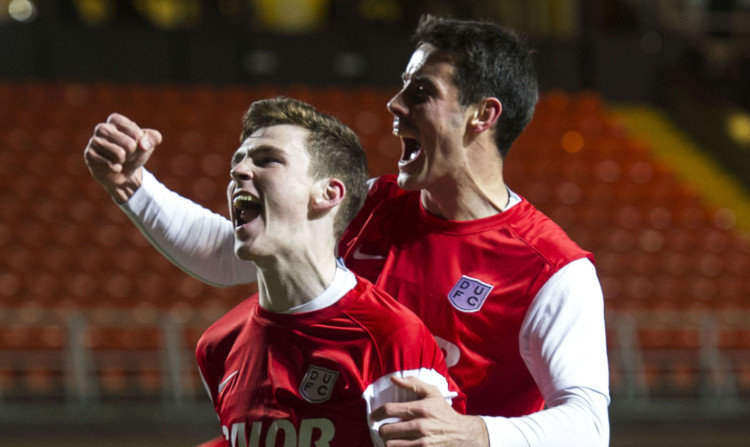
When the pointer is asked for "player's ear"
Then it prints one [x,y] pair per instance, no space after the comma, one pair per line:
[486,115]
[328,193]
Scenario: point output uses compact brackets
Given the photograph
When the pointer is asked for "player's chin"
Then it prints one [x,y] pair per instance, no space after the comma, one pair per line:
[244,249]
[409,182]
[241,252]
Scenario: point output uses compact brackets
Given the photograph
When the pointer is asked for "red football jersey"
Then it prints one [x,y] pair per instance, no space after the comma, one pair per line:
[298,379]
[471,283]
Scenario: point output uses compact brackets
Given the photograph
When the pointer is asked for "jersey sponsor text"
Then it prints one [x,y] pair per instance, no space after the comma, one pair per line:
[317,432]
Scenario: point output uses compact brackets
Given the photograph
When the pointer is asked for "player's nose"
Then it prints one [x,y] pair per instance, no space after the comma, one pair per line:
[242,172]
[396,105]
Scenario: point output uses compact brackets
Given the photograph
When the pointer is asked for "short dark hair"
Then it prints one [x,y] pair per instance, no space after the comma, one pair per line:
[335,150]
[490,61]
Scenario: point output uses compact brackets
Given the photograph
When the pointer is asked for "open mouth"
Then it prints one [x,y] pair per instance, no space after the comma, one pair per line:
[246,208]
[412,149]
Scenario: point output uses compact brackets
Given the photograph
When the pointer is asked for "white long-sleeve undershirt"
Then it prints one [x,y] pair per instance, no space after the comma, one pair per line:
[194,238]
[562,338]
[563,344]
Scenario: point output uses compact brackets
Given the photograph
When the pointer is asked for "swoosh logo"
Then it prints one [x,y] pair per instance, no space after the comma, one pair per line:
[363,256]
[225,381]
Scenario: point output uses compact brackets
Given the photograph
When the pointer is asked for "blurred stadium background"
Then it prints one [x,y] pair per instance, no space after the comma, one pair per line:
[640,149]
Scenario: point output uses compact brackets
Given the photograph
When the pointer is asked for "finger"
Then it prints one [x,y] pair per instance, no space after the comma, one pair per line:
[125,125]
[101,164]
[106,149]
[401,443]
[400,410]
[112,134]
[401,431]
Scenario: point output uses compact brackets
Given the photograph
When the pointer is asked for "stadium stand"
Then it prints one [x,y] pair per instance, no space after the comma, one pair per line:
[90,312]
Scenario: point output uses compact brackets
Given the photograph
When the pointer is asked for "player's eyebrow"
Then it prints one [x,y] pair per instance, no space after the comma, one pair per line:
[256,151]
[420,78]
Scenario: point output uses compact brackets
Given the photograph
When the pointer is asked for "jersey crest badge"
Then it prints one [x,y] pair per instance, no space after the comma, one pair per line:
[469,294]
[317,384]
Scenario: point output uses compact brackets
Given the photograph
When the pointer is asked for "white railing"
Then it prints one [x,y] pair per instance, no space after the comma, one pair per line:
[696,353]
[652,355]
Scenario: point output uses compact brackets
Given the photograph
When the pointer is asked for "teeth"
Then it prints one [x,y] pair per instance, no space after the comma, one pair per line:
[396,124]
[413,155]
[242,201]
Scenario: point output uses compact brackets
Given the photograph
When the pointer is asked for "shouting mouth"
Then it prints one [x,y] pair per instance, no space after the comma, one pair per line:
[412,149]
[246,208]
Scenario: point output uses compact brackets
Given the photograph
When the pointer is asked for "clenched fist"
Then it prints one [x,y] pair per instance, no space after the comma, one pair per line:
[116,153]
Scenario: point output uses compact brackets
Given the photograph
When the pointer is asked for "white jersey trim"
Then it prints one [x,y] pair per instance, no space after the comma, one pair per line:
[513,200]
[383,391]
[343,282]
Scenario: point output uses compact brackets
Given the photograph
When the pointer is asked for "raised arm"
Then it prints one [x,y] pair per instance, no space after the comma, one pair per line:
[116,153]
[195,239]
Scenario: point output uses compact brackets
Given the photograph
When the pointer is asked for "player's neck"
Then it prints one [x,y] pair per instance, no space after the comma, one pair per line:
[289,282]
[475,191]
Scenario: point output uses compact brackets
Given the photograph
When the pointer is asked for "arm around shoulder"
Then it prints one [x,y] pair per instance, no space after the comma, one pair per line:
[563,344]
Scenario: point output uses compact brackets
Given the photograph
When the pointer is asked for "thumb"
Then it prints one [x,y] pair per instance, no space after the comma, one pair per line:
[416,386]
[150,139]
[146,145]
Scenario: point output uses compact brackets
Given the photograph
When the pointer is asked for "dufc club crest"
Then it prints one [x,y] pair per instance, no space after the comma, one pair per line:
[317,384]
[469,294]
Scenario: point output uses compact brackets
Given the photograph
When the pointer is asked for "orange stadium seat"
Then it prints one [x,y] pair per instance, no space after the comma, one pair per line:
[119,338]
[65,244]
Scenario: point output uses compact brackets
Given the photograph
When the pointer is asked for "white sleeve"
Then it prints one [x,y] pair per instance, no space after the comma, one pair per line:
[563,344]
[195,239]
[383,391]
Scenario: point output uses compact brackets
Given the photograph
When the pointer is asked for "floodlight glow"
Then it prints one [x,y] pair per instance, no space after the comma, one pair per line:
[22,10]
